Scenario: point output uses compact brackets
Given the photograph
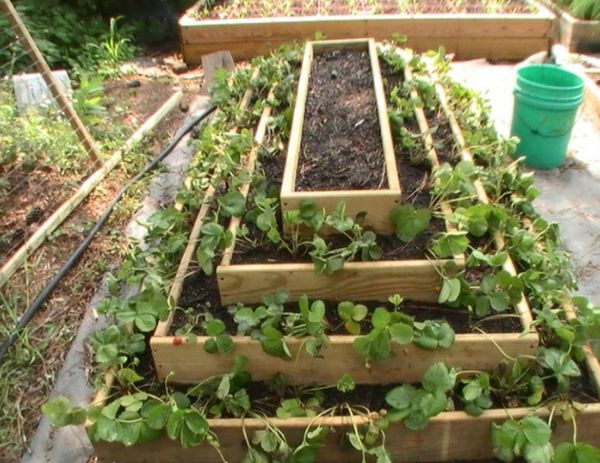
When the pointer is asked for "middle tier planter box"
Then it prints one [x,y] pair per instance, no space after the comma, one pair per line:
[340,147]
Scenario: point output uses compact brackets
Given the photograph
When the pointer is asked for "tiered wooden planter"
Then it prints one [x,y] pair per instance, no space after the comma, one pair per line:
[442,439]
[492,36]
[578,35]
[358,281]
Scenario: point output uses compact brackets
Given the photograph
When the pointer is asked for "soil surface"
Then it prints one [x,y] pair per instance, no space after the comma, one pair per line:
[201,295]
[226,9]
[341,143]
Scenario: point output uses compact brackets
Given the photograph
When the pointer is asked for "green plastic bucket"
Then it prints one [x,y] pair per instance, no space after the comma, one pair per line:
[546,101]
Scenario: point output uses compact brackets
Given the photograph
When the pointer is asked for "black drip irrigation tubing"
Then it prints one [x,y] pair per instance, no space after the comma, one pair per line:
[74,257]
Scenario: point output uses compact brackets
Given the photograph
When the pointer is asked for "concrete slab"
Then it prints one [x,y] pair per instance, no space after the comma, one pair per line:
[570,195]
[71,444]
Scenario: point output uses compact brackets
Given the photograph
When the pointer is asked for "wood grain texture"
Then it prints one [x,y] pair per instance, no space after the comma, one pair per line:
[577,35]
[464,48]
[182,269]
[450,436]
[512,37]
[288,183]
[384,121]
[358,281]
[189,363]
[428,143]
[377,203]
[249,166]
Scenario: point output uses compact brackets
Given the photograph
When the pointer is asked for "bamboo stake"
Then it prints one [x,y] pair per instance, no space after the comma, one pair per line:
[84,190]
[52,83]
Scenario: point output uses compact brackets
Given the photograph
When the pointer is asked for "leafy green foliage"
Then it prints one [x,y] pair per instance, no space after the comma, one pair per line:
[579,452]
[476,394]
[559,365]
[528,438]
[352,314]
[60,412]
[415,406]
[388,327]
[409,222]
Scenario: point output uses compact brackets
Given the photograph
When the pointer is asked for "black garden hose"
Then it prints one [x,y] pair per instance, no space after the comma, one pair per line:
[74,257]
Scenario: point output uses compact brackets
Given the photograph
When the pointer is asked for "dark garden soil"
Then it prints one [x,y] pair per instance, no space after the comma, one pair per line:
[341,142]
[201,295]
[224,9]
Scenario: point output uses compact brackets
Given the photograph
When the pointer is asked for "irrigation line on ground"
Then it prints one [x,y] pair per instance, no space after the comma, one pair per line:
[74,257]
[84,190]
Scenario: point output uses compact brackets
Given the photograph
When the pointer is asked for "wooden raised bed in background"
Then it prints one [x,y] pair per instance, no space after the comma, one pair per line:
[492,36]
[578,35]
[378,204]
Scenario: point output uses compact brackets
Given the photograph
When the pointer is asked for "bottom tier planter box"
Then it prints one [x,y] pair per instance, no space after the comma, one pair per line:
[449,436]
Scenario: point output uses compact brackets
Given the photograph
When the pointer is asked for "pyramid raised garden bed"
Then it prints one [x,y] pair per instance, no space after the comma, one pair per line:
[342,397]
[519,30]
[185,361]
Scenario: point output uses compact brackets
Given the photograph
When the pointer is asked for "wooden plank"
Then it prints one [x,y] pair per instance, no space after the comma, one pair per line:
[288,183]
[54,86]
[189,363]
[428,143]
[377,203]
[450,436]
[522,307]
[417,280]
[249,165]
[349,27]
[52,223]
[577,35]
[490,47]
[387,142]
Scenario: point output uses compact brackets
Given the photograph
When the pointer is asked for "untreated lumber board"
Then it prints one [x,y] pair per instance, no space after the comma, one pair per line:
[189,363]
[358,281]
[450,436]
[493,48]
[522,307]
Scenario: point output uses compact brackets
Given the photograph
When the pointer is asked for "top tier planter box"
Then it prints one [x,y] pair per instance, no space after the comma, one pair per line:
[503,36]
[377,203]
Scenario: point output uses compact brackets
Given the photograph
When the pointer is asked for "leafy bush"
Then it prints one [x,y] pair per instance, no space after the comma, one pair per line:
[583,9]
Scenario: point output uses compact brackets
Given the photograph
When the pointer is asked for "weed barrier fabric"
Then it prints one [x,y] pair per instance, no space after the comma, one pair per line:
[341,146]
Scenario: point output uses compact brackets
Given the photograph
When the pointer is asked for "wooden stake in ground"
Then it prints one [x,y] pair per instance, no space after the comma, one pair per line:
[40,63]
[84,190]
